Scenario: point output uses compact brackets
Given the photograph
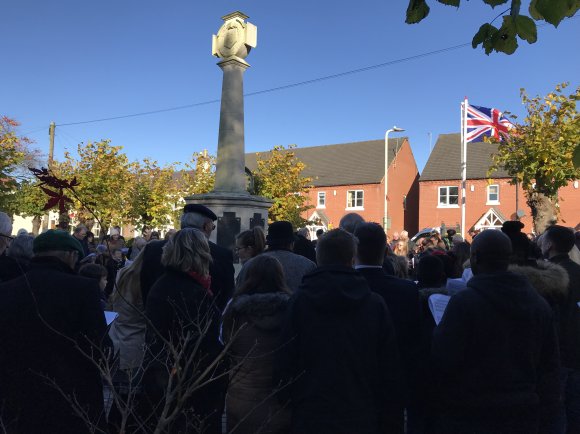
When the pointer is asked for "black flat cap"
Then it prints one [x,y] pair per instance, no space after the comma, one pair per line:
[200,209]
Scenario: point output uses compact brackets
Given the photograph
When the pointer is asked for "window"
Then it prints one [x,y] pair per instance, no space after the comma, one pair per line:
[321,199]
[448,197]
[492,194]
[355,199]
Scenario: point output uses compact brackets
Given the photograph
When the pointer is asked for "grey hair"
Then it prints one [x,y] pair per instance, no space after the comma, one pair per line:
[350,221]
[5,224]
[193,220]
[21,247]
[188,250]
[79,228]
[6,229]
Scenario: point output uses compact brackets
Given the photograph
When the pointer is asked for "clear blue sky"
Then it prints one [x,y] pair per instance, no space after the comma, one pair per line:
[73,60]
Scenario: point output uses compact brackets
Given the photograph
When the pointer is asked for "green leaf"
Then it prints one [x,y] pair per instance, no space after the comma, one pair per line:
[484,36]
[505,40]
[553,11]
[526,28]
[494,3]
[450,2]
[416,11]
[576,157]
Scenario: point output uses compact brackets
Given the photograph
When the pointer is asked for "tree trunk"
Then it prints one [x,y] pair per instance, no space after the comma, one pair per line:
[36,221]
[544,211]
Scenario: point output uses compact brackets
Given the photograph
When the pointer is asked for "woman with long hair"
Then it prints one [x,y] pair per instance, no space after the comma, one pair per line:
[183,375]
[251,326]
[128,330]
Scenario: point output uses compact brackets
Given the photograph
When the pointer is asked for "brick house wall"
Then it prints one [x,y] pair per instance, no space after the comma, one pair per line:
[432,214]
[403,196]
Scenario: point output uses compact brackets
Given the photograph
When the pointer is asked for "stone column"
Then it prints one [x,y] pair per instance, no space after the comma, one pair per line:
[230,173]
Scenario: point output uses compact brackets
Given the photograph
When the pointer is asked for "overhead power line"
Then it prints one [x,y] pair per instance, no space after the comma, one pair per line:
[275,89]
[289,86]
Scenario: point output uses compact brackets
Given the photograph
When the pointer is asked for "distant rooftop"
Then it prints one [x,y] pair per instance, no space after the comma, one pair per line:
[445,160]
[342,164]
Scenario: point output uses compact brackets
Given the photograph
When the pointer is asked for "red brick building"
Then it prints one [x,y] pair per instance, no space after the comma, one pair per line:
[489,202]
[349,177]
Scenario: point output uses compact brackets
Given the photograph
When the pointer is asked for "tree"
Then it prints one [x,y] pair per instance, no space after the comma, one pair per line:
[15,158]
[515,25]
[538,153]
[279,177]
[104,175]
[30,201]
[153,190]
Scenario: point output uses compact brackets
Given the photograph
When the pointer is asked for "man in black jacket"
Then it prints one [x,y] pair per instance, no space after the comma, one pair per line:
[495,352]
[51,326]
[556,242]
[401,297]
[339,357]
[221,269]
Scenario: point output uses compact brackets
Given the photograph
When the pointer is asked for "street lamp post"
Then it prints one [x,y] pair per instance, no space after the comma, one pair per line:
[385,217]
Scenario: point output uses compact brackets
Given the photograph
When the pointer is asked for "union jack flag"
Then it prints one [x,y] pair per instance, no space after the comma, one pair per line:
[486,122]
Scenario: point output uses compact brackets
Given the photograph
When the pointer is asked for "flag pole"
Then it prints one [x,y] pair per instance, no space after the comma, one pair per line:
[464,106]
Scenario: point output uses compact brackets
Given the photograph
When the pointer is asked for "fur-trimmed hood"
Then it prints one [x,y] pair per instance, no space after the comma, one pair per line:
[549,279]
[265,311]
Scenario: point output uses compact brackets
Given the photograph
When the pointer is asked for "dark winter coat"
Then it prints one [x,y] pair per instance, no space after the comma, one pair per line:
[221,271]
[569,321]
[339,356]
[10,268]
[178,306]
[253,323]
[402,299]
[44,315]
[496,348]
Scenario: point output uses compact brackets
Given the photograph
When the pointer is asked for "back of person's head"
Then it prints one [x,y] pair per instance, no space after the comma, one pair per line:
[559,239]
[139,243]
[263,274]
[280,235]
[187,251]
[80,228]
[319,232]
[193,220]
[59,244]
[521,245]
[93,271]
[404,235]
[5,231]
[461,252]
[170,233]
[490,252]
[451,233]
[431,272]
[350,221]
[336,247]
[372,243]
[303,232]
[254,239]
[21,248]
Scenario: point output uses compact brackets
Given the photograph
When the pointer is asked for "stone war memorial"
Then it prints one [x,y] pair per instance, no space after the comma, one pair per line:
[236,208]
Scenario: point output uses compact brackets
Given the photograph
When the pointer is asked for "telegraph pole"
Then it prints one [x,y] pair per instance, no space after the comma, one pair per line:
[51,129]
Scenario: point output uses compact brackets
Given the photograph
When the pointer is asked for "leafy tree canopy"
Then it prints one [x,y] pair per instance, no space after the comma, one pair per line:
[539,152]
[278,176]
[515,25]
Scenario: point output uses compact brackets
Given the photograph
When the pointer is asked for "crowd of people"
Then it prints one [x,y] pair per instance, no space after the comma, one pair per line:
[332,336]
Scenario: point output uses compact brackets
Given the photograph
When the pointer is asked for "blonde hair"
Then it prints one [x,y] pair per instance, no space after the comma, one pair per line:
[187,251]
[129,280]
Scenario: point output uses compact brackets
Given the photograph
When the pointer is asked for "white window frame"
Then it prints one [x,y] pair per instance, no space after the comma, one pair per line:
[446,204]
[489,193]
[356,199]
[321,194]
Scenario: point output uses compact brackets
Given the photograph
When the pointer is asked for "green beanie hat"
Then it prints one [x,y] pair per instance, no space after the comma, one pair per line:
[57,240]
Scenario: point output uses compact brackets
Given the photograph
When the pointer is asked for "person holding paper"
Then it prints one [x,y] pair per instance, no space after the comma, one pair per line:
[495,352]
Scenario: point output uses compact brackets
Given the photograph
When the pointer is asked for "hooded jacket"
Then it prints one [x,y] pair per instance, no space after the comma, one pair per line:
[339,355]
[496,347]
[252,325]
